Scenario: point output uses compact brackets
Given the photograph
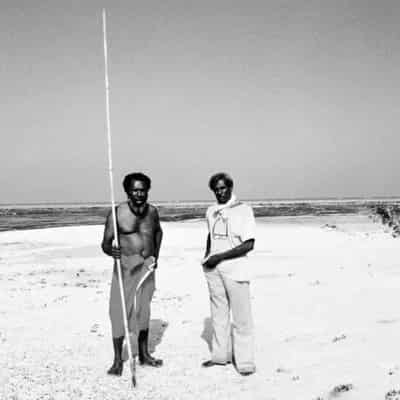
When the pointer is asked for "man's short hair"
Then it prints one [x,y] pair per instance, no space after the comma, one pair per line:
[220,176]
[136,176]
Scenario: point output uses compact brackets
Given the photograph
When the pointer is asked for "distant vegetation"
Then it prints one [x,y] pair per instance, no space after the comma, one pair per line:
[389,215]
[14,218]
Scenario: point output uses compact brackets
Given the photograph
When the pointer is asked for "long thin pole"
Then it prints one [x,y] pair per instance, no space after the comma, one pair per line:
[114,217]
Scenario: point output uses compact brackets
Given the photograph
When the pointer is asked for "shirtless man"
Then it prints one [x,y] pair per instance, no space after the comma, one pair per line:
[140,238]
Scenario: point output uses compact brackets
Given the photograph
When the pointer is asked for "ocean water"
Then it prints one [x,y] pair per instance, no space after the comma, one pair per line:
[33,216]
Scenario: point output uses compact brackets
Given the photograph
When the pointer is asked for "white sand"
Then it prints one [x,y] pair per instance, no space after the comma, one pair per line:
[326,306]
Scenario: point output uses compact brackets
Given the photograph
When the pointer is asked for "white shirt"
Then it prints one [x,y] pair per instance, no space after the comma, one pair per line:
[228,228]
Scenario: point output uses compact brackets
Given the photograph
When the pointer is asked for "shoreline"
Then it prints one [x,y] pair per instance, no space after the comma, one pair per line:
[46,217]
[55,204]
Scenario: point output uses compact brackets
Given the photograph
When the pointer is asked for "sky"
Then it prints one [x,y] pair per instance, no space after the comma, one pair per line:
[295,99]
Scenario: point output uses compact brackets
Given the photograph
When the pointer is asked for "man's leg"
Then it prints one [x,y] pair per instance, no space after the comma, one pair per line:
[116,327]
[116,368]
[145,357]
[221,344]
[243,337]
[144,297]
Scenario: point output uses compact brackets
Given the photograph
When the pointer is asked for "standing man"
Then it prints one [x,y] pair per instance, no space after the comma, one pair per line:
[231,236]
[140,238]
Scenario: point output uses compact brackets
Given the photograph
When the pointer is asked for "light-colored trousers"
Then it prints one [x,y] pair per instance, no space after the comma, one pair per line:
[228,296]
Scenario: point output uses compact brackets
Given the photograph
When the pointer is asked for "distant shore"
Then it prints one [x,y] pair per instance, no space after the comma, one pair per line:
[34,216]
[193,203]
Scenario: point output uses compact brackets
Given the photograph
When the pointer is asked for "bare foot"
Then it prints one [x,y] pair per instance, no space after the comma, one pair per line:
[116,368]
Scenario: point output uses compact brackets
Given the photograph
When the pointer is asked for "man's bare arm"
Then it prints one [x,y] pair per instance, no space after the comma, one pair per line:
[108,235]
[158,235]
[208,246]
[236,252]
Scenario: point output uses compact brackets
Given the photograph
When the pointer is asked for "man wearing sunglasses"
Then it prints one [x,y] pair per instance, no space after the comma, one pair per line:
[231,227]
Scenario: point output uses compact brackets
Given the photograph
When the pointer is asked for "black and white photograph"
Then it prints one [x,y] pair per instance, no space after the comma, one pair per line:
[200,200]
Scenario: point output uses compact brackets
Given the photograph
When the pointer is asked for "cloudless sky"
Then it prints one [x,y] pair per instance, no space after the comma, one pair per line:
[293,98]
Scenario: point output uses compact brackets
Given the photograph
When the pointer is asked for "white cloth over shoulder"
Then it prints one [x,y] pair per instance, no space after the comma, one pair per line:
[230,225]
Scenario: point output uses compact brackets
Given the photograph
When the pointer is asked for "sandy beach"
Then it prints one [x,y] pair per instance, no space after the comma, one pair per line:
[325,303]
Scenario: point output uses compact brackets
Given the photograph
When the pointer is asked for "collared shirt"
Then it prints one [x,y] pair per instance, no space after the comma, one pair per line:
[229,228]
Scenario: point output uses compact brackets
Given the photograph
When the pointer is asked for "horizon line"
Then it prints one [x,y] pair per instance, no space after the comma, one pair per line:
[270,199]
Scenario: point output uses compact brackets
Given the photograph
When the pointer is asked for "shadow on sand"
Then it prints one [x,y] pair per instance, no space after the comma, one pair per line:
[157,329]
[156,333]
[206,335]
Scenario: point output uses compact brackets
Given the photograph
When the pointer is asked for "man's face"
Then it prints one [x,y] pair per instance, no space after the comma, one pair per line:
[222,192]
[138,193]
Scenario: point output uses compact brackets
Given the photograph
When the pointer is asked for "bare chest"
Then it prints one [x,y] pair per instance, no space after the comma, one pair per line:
[134,224]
